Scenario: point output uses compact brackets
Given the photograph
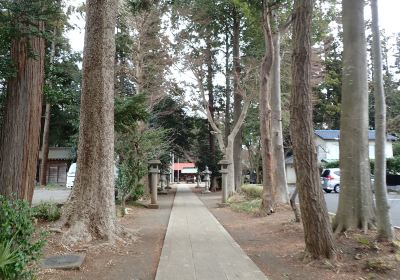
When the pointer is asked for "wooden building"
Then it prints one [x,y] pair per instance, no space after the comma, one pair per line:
[59,160]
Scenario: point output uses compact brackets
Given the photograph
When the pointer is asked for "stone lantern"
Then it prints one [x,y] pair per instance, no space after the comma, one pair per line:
[207,179]
[154,171]
[224,172]
[166,174]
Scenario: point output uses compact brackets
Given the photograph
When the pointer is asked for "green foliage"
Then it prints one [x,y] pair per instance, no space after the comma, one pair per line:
[47,212]
[135,147]
[8,257]
[20,243]
[129,110]
[252,191]
[393,165]
[396,149]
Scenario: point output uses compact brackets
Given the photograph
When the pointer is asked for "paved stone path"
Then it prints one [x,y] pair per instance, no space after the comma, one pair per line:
[197,247]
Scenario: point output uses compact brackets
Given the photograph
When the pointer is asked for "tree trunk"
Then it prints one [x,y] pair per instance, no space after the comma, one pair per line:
[237,102]
[20,134]
[312,203]
[269,190]
[385,229]
[294,205]
[278,156]
[46,126]
[45,146]
[210,90]
[90,212]
[227,86]
[355,208]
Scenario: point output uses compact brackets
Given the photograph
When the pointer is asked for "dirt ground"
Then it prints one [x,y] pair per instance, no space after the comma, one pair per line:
[275,243]
[135,260]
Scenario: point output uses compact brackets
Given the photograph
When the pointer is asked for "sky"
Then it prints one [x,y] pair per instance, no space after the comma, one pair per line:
[388,13]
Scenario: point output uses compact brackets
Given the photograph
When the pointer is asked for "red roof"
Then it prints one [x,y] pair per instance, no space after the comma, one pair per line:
[181,165]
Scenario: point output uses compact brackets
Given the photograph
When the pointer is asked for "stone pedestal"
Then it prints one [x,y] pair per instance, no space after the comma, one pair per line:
[154,172]
[224,172]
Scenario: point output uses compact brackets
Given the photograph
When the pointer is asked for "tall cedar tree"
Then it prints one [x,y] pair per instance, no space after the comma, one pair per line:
[90,212]
[19,139]
[312,204]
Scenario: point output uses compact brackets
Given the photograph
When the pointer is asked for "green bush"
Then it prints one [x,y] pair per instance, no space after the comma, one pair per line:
[252,191]
[47,212]
[396,149]
[19,240]
[393,165]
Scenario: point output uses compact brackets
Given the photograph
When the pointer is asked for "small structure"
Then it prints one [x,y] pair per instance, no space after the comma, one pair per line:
[182,171]
[163,182]
[224,172]
[198,179]
[154,172]
[167,177]
[207,179]
[58,162]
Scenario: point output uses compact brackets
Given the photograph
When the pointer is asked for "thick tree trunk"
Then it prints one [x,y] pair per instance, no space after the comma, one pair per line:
[355,208]
[90,212]
[20,135]
[278,156]
[312,203]
[45,146]
[385,229]
[269,187]
[237,100]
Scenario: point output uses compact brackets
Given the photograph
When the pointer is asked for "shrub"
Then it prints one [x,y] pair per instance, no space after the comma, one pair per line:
[252,191]
[47,212]
[396,149]
[21,244]
[393,165]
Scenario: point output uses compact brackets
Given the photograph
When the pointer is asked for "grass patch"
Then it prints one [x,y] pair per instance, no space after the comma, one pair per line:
[252,191]
[47,212]
[243,205]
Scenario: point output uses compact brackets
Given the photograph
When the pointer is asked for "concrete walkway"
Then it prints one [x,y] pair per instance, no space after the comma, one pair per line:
[197,247]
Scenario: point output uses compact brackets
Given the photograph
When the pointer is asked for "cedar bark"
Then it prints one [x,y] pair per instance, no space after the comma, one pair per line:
[317,229]
[385,229]
[90,212]
[269,188]
[237,101]
[355,208]
[20,135]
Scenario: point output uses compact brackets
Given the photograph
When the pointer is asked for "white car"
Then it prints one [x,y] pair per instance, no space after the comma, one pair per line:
[330,180]
[72,171]
[71,176]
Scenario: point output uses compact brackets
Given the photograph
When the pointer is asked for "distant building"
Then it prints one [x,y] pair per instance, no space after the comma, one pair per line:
[327,145]
[59,159]
[184,171]
[327,142]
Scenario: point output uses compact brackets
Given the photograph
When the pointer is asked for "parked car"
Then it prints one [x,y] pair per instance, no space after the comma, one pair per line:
[72,171]
[71,176]
[330,180]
